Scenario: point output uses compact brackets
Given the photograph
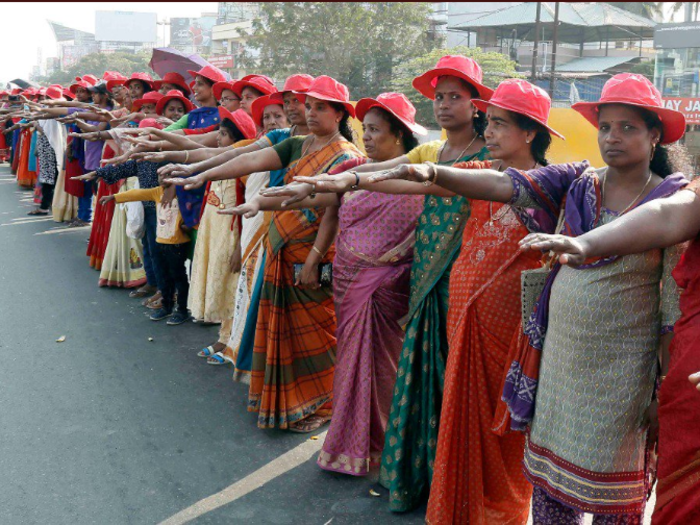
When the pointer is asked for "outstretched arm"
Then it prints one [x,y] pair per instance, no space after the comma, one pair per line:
[657,224]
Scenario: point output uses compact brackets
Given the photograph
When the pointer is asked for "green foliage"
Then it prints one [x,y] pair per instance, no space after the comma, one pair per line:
[496,67]
[97,63]
[652,10]
[644,68]
[358,44]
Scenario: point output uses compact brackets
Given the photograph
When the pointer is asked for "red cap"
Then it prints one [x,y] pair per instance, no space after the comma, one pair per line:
[173,78]
[144,77]
[260,82]
[298,83]
[152,97]
[259,105]
[635,90]
[452,66]
[395,103]
[242,121]
[212,73]
[330,90]
[519,96]
[150,123]
[113,75]
[79,83]
[68,94]
[219,87]
[173,94]
[16,91]
[54,92]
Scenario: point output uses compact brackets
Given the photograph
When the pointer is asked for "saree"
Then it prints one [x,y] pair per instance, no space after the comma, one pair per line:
[587,447]
[253,233]
[241,351]
[371,271]
[294,353]
[25,177]
[212,284]
[412,431]
[678,488]
[477,477]
[122,266]
[102,219]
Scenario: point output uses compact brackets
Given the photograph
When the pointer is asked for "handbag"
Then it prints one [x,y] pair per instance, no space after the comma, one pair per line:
[325,271]
[532,281]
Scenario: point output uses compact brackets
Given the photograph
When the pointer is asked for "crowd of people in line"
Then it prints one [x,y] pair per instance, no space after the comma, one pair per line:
[491,332]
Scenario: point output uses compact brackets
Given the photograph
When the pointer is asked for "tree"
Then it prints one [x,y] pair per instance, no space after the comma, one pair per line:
[97,63]
[652,10]
[359,44]
[694,8]
[496,67]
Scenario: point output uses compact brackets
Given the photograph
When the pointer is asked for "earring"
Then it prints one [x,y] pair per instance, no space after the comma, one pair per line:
[653,151]
[527,141]
[398,142]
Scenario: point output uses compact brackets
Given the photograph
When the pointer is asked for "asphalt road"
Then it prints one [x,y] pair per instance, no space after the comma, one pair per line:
[109,428]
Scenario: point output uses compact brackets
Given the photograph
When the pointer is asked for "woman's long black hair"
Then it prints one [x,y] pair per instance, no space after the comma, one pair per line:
[669,159]
[344,127]
[540,144]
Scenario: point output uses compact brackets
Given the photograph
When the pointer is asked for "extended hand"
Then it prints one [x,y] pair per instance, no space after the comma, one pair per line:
[191,183]
[88,176]
[248,210]
[325,183]
[570,250]
[411,172]
[297,191]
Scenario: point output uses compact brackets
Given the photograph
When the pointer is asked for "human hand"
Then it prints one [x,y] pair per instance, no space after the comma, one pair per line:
[297,191]
[235,261]
[105,199]
[87,177]
[248,210]
[325,183]
[191,183]
[411,172]
[695,379]
[651,422]
[308,278]
[569,250]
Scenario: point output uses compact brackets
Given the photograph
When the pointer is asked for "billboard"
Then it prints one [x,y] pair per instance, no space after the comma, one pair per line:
[125,26]
[192,34]
[221,61]
[677,36]
[690,107]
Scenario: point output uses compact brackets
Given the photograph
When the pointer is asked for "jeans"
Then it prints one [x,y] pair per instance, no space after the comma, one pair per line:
[171,259]
[85,203]
[46,195]
[150,246]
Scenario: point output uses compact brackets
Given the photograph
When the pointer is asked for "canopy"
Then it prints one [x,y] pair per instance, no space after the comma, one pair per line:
[578,22]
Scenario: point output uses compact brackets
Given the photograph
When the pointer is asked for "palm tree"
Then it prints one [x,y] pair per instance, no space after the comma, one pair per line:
[695,6]
[653,10]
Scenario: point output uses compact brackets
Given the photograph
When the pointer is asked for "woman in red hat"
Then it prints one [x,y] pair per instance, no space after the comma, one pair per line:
[289,338]
[370,279]
[138,85]
[412,437]
[224,93]
[661,224]
[590,371]
[268,114]
[172,81]
[252,87]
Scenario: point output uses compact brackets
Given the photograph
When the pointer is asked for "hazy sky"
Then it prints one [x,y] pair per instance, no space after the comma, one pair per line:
[26,29]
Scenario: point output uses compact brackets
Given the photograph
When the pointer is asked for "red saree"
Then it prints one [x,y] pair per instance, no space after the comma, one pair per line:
[478,477]
[102,221]
[25,177]
[678,488]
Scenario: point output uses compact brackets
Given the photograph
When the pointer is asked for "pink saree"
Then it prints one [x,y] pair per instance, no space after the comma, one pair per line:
[371,271]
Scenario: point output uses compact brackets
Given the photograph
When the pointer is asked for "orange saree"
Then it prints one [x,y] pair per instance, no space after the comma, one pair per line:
[478,476]
[294,352]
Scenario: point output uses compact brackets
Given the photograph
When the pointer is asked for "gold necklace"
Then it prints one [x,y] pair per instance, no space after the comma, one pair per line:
[461,153]
[602,192]
[313,140]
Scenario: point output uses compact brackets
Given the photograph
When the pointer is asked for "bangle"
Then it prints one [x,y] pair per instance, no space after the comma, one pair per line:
[187,156]
[357,180]
[318,251]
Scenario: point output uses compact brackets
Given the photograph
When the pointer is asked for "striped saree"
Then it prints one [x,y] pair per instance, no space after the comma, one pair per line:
[294,352]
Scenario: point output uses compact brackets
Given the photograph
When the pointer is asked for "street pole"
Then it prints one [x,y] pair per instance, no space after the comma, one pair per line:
[554,49]
[536,42]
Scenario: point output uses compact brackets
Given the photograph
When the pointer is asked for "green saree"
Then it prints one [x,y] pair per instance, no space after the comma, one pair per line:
[412,429]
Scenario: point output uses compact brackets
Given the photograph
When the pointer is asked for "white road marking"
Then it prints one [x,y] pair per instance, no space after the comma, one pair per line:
[27,221]
[64,229]
[254,481]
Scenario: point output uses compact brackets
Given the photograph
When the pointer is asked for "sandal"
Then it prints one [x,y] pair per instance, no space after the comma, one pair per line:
[38,212]
[155,304]
[152,298]
[143,291]
[216,360]
[206,352]
[309,424]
